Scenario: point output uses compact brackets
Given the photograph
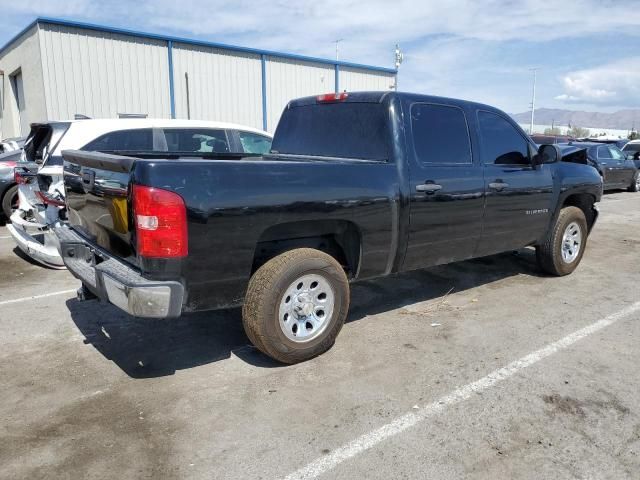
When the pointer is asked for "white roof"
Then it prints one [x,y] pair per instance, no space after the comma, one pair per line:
[82,132]
[126,123]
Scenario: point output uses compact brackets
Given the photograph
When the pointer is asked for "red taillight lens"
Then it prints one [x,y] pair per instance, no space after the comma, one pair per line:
[18,178]
[161,222]
[332,97]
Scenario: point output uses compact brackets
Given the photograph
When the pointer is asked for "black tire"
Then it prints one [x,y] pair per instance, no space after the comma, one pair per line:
[8,201]
[635,186]
[266,291]
[549,253]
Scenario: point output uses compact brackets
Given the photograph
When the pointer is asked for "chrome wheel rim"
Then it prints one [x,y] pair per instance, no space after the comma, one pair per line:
[571,242]
[638,182]
[306,308]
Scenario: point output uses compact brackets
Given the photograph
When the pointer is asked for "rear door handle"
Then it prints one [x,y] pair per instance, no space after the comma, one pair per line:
[428,187]
[498,185]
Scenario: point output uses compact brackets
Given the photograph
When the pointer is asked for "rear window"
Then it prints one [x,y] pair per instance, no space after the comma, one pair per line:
[342,130]
[190,140]
[632,147]
[139,139]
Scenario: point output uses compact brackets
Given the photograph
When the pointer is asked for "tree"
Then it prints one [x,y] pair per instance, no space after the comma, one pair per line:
[634,136]
[578,132]
[552,131]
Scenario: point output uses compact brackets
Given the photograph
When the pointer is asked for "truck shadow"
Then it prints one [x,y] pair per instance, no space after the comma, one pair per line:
[145,348]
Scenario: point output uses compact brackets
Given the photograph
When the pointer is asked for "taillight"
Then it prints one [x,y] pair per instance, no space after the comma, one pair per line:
[332,97]
[19,179]
[161,222]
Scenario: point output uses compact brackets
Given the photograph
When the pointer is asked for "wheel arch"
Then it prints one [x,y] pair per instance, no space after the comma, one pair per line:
[585,202]
[341,239]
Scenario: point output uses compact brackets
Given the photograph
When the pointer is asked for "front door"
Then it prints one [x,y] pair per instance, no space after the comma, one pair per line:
[519,195]
[446,198]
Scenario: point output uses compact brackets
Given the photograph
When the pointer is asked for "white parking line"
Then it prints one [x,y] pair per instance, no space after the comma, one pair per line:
[4,236]
[35,297]
[373,438]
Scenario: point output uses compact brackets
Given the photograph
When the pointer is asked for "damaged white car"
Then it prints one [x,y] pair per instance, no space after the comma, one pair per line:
[41,194]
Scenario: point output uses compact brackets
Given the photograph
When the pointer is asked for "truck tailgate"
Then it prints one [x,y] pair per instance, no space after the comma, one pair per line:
[97,189]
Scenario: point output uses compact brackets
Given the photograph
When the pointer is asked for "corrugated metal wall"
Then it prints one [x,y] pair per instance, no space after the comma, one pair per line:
[288,79]
[22,57]
[101,74]
[223,85]
[104,72]
[355,79]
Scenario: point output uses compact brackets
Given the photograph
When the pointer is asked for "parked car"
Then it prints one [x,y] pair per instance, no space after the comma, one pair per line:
[616,170]
[41,194]
[8,187]
[11,144]
[356,185]
[632,152]
[541,139]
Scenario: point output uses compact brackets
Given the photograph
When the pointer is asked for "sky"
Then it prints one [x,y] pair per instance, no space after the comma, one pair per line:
[587,51]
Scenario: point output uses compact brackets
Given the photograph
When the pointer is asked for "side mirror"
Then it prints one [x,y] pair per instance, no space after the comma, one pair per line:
[547,154]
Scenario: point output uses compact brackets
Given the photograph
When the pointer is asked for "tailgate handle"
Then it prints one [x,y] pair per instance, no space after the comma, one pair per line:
[88,179]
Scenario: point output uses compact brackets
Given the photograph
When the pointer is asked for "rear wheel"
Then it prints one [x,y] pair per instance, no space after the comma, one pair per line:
[10,201]
[296,304]
[635,184]
[561,252]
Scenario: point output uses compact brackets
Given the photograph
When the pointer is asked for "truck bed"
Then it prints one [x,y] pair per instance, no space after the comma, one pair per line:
[242,203]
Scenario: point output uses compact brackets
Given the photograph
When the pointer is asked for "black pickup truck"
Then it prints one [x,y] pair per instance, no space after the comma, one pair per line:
[356,185]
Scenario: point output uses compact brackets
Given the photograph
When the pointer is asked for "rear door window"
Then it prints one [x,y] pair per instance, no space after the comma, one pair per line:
[440,134]
[254,143]
[615,153]
[135,140]
[502,144]
[334,130]
[190,140]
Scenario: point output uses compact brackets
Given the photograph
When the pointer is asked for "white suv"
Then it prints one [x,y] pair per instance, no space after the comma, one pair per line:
[41,194]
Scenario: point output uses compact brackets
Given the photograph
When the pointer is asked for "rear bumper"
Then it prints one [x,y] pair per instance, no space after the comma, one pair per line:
[116,282]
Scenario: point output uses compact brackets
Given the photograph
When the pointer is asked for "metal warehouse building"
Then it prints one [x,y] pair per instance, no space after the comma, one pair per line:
[56,69]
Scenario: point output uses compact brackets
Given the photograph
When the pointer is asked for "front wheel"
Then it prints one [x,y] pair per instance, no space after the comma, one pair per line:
[635,184]
[296,304]
[562,250]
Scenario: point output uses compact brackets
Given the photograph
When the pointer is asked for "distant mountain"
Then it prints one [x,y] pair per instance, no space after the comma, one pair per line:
[622,120]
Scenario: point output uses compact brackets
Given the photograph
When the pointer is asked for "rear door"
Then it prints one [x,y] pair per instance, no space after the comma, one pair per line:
[447,190]
[611,168]
[519,196]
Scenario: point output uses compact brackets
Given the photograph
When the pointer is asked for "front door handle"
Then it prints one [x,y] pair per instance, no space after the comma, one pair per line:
[428,187]
[498,185]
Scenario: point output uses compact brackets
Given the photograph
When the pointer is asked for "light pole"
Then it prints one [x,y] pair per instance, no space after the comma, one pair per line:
[337,42]
[399,58]
[533,98]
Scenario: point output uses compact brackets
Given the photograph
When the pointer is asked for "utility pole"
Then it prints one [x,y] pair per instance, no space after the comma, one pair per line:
[337,42]
[399,59]
[533,98]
